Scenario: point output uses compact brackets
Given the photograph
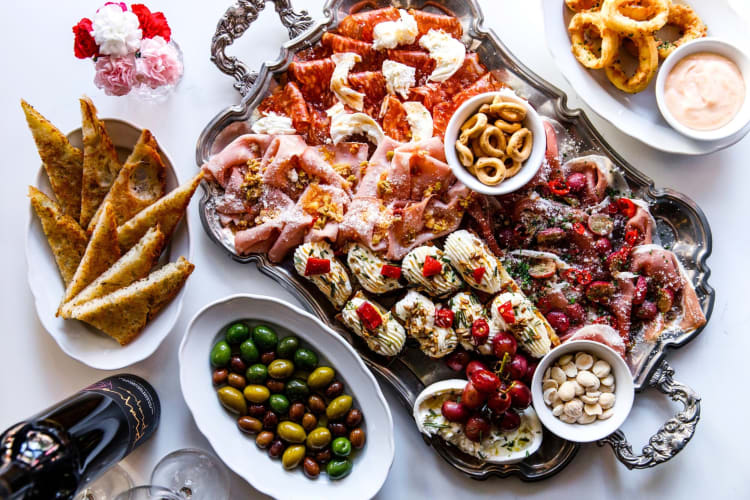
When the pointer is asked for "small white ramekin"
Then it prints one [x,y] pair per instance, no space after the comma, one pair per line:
[714,46]
[530,167]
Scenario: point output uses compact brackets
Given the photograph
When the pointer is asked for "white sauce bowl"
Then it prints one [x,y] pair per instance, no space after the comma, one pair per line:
[714,46]
[533,122]
[624,393]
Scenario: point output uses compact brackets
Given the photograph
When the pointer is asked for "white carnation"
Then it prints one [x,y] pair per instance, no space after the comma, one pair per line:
[115,31]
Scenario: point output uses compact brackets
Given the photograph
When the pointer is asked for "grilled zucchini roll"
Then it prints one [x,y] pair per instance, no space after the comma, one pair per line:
[423,322]
[317,263]
[471,257]
[429,270]
[513,312]
[369,320]
[373,272]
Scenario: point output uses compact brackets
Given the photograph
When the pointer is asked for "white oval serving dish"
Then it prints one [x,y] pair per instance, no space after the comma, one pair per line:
[238,451]
[78,340]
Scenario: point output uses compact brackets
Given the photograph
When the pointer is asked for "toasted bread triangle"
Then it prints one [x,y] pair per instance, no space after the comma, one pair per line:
[100,163]
[131,267]
[166,212]
[140,182]
[101,252]
[65,237]
[62,162]
[124,313]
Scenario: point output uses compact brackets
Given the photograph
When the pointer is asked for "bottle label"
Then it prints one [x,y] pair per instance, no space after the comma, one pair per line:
[138,402]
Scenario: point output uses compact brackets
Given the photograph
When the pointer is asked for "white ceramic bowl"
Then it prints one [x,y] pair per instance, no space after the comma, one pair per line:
[533,122]
[238,451]
[624,393]
[76,339]
[714,46]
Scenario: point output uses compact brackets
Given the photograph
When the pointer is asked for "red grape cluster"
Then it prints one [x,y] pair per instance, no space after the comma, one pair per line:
[491,396]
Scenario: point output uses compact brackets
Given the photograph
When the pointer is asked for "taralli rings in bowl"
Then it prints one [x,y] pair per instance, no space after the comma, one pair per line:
[495,142]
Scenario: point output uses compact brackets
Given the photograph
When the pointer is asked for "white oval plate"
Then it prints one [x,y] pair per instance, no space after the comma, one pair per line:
[76,339]
[637,115]
[238,451]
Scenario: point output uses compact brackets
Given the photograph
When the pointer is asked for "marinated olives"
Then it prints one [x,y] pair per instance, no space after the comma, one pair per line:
[296,410]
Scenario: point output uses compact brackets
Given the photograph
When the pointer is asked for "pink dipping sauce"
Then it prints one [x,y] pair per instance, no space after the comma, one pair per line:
[704,91]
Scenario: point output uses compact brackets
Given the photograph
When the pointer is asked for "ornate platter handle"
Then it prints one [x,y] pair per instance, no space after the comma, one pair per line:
[233,24]
[672,436]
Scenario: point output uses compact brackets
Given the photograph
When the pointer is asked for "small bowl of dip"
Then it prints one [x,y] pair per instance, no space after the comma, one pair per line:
[703,89]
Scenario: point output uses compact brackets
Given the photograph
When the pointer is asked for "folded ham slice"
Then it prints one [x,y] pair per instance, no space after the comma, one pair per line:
[238,152]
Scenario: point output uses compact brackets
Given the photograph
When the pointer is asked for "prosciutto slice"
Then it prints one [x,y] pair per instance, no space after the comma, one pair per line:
[238,152]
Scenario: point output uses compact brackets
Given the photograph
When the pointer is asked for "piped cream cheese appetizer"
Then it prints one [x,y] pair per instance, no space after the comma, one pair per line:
[498,446]
[317,263]
[420,315]
[478,266]
[466,310]
[369,320]
[513,312]
[373,272]
[428,269]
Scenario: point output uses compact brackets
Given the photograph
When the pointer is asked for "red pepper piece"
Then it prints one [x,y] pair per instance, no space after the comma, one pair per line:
[506,312]
[480,331]
[632,236]
[579,228]
[583,277]
[390,271]
[317,266]
[369,315]
[478,274]
[444,318]
[558,187]
[627,207]
[431,267]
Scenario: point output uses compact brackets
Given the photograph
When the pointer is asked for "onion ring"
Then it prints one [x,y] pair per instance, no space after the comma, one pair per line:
[648,64]
[507,127]
[490,171]
[579,25]
[617,20]
[485,142]
[691,27]
[509,111]
[465,156]
[473,126]
[519,145]
[581,5]
[513,168]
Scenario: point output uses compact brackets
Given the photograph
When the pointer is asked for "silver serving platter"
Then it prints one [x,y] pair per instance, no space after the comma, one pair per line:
[680,224]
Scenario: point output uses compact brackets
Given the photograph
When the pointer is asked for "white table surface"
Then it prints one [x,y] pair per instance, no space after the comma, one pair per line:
[39,66]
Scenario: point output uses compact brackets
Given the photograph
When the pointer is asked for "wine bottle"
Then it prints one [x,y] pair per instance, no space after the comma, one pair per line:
[53,453]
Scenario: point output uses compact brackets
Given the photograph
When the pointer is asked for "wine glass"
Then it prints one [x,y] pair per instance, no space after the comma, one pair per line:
[195,474]
[107,485]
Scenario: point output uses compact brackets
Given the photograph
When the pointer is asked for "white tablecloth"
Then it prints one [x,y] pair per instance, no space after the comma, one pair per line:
[38,65]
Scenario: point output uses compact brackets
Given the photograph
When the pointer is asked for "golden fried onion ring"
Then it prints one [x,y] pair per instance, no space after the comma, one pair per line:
[490,171]
[584,22]
[507,127]
[465,156]
[648,64]
[508,111]
[519,145]
[619,21]
[473,126]
[691,27]
[489,136]
[511,166]
[580,5]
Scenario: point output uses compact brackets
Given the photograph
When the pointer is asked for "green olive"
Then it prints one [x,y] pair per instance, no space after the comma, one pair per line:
[256,393]
[305,359]
[318,438]
[237,333]
[287,347]
[321,377]
[338,468]
[339,407]
[279,403]
[256,374]
[280,369]
[249,352]
[293,456]
[221,354]
[291,432]
[341,447]
[265,338]
[232,400]
[296,390]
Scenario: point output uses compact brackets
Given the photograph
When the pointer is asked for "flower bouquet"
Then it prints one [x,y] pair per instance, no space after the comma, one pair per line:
[132,50]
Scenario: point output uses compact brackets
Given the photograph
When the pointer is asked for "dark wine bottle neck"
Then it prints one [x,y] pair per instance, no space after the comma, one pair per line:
[14,479]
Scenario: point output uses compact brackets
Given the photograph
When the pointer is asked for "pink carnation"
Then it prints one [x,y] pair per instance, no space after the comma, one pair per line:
[159,63]
[115,75]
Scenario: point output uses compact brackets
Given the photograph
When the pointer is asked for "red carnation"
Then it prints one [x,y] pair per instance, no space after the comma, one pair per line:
[152,23]
[85,45]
